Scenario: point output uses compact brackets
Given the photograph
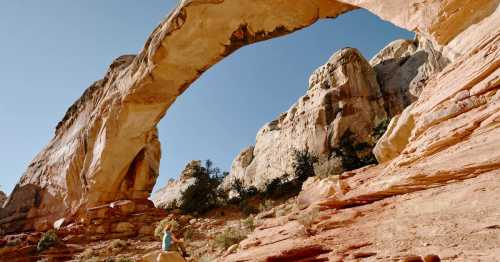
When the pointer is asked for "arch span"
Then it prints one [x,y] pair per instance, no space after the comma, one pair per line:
[106,147]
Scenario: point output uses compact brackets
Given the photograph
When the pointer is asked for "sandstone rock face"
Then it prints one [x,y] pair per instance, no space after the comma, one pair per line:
[342,108]
[170,196]
[443,147]
[403,68]
[106,148]
[3,198]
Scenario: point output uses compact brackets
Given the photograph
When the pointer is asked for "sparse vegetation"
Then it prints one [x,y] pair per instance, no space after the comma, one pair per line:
[307,220]
[118,244]
[204,194]
[380,129]
[249,223]
[229,237]
[290,185]
[47,240]
[354,155]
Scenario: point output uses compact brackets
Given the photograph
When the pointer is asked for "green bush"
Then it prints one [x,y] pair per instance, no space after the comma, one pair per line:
[303,164]
[243,192]
[249,223]
[47,240]
[354,155]
[229,237]
[203,195]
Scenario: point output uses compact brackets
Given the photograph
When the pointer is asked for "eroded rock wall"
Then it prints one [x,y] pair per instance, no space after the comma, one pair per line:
[3,198]
[111,131]
[436,192]
[403,68]
[342,108]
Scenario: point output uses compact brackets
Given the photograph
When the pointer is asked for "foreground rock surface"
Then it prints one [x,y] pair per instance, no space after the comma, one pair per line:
[337,121]
[444,146]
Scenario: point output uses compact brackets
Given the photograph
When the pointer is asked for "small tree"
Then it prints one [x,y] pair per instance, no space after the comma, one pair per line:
[203,194]
[290,185]
[303,164]
[47,240]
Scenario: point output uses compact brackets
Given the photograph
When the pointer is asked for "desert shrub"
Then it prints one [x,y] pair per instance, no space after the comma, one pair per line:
[303,164]
[243,192]
[229,237]
[203,194]
[290,185]
[354,155]
[249,223]
[307,220]
[47,240]
[188,234]
[118,244]
[380,129]
[159,228]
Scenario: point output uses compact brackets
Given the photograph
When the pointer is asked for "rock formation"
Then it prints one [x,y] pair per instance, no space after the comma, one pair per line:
[106,148]
[436,191]
[170,196]
[337,120]
[3,198]
[403,68]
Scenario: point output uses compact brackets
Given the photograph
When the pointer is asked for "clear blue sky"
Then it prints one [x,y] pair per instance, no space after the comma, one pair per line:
[52,51]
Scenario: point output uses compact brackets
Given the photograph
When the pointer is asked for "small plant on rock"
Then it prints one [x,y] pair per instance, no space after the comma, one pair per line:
[307,221]
[118,244]
[229,237]
[249,223]
[47,240]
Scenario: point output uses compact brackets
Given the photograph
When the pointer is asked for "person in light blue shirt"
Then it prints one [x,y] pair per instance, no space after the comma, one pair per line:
[170,241]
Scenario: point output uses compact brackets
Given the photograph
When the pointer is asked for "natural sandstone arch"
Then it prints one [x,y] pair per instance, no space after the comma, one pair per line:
[106,148]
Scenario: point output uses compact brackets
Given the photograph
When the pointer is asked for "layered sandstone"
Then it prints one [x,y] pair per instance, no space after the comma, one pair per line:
[106,148]
[336,121]
[437,191]
[170,196]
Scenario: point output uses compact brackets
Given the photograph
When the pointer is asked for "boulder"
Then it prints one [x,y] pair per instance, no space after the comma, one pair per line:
[316,189]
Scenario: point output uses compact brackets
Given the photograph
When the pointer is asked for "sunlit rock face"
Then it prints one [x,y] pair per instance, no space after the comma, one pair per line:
[342,108]
[106,148]
[437,188]
[170,196]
